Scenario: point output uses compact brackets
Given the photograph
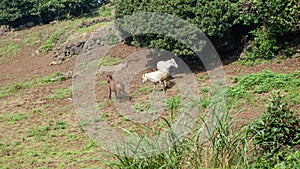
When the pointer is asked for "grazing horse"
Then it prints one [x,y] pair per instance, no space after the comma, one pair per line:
[166,65]
[117,87]
[156,77]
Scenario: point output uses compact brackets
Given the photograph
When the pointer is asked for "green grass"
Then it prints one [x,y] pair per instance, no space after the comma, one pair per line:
[13,118]
[49,79]
[145,89]
[225,147]
[91,28]
[173,103]
[141,106]
[110,61]
[9,48]
[104,12]
[50,42]
[31,40]
[61,93]
[46,143]
[15,87]
[1,59]
[26,84]
[264,82]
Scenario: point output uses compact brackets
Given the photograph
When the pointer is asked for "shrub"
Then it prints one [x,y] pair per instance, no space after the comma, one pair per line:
[16,13]
[213,18]
[272,21]
[275,133]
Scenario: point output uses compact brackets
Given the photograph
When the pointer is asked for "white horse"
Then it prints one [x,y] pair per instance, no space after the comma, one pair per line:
[166,65]
[156,77]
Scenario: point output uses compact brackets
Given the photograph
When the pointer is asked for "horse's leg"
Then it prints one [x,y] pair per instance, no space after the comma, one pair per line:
[154,87]
[164,85]
[117,93]
[109,95]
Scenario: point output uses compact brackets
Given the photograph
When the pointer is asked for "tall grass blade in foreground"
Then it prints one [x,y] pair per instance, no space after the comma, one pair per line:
[224,147]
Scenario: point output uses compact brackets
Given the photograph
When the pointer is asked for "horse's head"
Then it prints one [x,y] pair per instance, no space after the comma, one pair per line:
[109,78]
[144,79]
[173,63]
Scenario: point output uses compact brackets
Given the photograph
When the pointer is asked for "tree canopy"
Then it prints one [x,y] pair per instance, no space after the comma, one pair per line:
[15,12]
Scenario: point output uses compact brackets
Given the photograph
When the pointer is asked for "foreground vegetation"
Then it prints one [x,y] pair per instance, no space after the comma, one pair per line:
[268,141]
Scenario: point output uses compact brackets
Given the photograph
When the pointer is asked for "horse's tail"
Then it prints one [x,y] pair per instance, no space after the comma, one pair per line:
[122,88]
[123,94]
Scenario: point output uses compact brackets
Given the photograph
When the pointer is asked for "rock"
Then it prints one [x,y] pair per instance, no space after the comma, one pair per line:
[56,62]
[53,22]
[245,48]
[30,24]
[93,22]
[4,30]
[79,44]
[99,42]
[37,52]
[113,68]
[22,27]
[296,55]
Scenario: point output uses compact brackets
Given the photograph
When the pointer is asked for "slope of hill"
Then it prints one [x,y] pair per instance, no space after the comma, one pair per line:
[38,124]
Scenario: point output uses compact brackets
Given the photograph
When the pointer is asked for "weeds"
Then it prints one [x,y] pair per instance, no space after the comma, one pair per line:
[173,103]
[224,147]
[12,118]
[31,40]
[142,106]
[9,48]
[110,61]
[145,89]
[263,83]
[15,87]
[105,12]
[61,93]
[50,42]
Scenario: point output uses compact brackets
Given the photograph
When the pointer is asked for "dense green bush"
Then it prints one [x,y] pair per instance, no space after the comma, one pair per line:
[19,12]
[213,18]
[275,133]
[273,23]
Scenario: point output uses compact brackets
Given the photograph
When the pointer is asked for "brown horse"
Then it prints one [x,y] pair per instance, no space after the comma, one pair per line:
[117,87]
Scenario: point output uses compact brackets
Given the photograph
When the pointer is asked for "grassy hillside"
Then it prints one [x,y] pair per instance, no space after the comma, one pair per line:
[39,127]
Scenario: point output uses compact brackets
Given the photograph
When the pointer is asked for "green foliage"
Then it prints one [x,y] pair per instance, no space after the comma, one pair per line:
[275,133]
[12,118]
[15,87]
[9,48]
[60,125]
[16,12]
[273,21]
[38,132]
[173,103]
[263,83]
[264,45]
[105,12]
[224,147]
[218,17]
[53,39]
[31,39]
[228,145]
[204,103]
[145,89]
[57,77]
[61,93]
[110,61]
[142,105]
